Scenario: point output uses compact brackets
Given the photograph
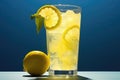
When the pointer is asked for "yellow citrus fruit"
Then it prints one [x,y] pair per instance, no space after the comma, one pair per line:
[36,62]
[71,36]
[51,16]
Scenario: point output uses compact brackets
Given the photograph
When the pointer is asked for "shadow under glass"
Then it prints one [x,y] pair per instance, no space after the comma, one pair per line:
[60,77]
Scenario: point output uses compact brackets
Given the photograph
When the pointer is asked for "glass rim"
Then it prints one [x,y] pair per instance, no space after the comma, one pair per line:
[75,7]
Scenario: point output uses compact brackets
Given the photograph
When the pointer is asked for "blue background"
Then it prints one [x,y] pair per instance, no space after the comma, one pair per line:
[100,33]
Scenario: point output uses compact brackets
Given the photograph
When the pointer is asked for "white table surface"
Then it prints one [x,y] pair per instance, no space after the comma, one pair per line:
[92,75]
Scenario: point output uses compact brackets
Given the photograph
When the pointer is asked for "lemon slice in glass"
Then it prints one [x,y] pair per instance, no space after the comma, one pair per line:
[51,16]
[71,36]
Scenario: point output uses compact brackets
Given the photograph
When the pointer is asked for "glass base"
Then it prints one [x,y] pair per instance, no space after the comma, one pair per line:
[63,72]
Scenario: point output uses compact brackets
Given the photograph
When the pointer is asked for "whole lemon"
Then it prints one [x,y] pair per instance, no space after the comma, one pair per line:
[36,62]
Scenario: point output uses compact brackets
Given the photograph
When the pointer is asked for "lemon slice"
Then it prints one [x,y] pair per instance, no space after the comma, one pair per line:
[51,15]
[71,36]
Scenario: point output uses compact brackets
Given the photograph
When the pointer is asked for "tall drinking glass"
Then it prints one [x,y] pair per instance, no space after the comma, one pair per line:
[63,42]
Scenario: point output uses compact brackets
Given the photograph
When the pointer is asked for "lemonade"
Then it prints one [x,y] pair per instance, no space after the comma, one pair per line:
[62,24]
[63,43]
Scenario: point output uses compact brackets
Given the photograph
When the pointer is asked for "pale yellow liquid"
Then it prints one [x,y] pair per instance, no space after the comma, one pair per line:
[63,42]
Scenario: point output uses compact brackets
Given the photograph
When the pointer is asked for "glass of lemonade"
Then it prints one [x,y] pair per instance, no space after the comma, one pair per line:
[63,42]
